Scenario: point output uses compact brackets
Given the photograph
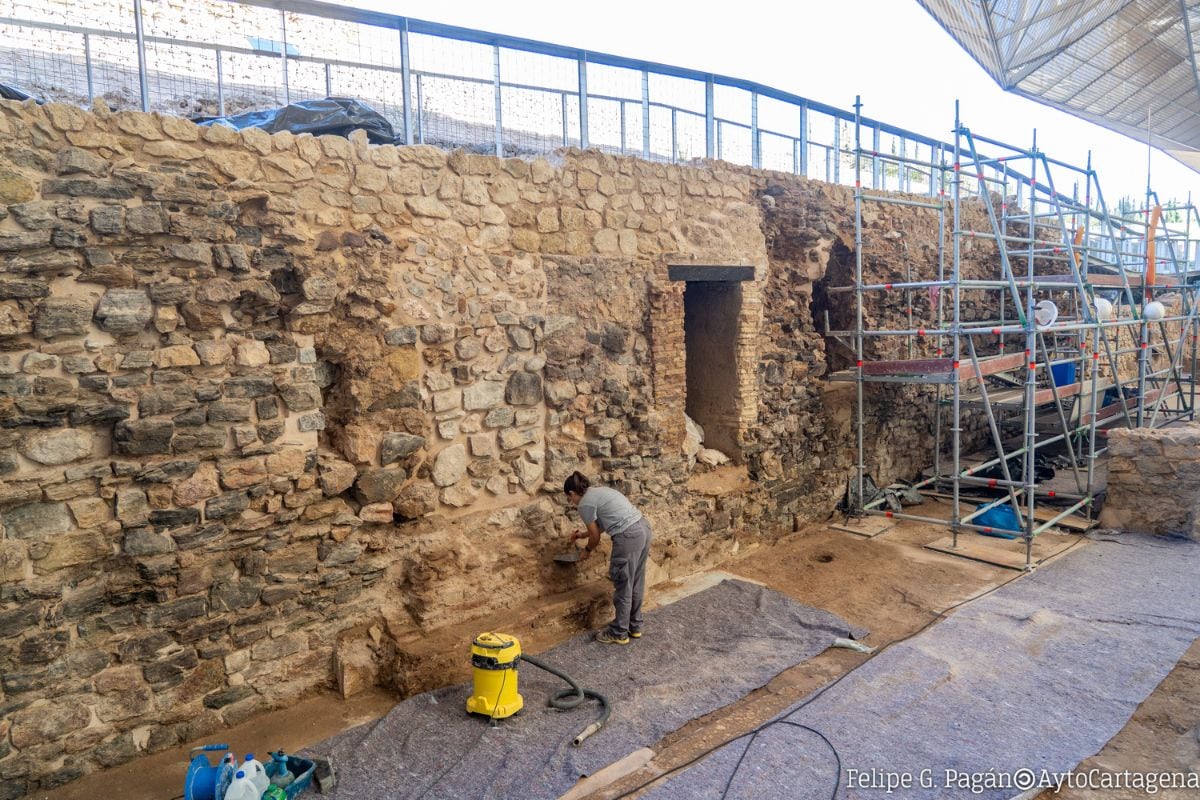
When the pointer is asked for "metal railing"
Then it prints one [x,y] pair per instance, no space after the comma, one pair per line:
[437,84]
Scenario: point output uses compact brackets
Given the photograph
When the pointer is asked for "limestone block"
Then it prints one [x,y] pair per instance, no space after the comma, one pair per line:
[459,496]
[450,465]
[483,395]
[57,446]
[180,355]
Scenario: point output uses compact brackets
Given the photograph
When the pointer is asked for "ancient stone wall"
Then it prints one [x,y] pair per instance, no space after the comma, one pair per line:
[265,396]
[1154,481]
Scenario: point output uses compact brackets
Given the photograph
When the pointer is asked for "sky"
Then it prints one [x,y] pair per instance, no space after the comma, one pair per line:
[907,69]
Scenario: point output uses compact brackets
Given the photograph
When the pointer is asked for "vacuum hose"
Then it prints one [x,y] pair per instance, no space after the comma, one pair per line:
[568,699]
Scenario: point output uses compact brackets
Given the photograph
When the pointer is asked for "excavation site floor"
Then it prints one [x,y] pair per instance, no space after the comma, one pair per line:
[890,584]
[1035,677]
[697,655]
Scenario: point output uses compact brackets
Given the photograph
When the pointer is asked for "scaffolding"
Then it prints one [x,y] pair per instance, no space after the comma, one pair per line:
[1093,319]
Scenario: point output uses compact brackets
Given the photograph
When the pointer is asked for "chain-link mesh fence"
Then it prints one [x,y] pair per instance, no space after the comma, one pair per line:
[465,88]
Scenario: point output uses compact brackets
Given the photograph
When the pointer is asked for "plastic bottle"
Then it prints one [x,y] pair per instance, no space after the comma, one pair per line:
[225,775]
[257,774]
[275,793]
[242,788]
[279,770]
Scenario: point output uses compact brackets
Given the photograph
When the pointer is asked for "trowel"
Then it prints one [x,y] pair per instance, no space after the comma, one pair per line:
[569,557]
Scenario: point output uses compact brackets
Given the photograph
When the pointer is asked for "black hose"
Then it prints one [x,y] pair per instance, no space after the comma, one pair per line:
[568,699]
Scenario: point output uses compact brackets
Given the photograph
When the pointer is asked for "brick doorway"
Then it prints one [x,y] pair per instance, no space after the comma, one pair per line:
[718,326]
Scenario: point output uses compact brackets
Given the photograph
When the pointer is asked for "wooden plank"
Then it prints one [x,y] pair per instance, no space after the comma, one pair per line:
[1074,522]
[992,365]
[1113,409]
[867,527]
[1007,553]
[1016,397]
[944,366]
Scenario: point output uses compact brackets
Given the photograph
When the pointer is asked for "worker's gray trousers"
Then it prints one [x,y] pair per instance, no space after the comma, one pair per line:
[627,570]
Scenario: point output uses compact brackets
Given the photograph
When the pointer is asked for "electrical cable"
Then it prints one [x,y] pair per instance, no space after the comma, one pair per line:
[812,698]
[568,699]
[474,744]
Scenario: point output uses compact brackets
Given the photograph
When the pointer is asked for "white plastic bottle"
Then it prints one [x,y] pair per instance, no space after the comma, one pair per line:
[225,775]
[256,772]
[242,788]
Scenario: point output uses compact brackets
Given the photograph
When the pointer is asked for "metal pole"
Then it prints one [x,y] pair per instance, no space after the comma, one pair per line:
[710,128]
[143,81]
[877,171]
[499,101]
[674,135]
[804,139]
[860,467]
[837,148]
[329,89]
[420,110]
[583,102]
[646,114]
[622,126]
[406,80]
[755,141]
[1031,374]
[283,54]
[564,118]
[956,343]
[220,86]
[87,67]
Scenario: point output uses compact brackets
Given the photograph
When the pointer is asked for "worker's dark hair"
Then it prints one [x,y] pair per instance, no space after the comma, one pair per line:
[576,483]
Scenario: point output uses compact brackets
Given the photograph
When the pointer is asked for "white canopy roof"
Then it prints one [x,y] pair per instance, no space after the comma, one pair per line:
[1107,61]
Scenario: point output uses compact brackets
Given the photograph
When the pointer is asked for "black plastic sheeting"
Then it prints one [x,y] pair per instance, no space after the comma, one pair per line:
[14,93]
[336,116]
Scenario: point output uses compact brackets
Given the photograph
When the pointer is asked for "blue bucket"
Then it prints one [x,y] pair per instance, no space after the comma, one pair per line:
[1062,372]
[1002,521]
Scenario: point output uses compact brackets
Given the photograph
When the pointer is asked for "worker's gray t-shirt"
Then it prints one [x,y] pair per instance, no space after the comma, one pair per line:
[609,508]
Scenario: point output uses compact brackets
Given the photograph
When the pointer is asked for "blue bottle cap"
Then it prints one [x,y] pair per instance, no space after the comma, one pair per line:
[240,774]
[249,756]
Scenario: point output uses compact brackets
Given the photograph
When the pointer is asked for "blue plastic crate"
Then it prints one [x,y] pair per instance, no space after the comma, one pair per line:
[302,768]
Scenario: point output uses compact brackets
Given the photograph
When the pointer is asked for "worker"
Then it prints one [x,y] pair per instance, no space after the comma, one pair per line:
[606,510]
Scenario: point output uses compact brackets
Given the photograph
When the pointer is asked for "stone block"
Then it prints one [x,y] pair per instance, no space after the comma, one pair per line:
[450,465]
[397,446]
[143,437]
[36,520]
[523,389]
[380,485]
[124,312]
[57,446]
[73,549]
[62,316]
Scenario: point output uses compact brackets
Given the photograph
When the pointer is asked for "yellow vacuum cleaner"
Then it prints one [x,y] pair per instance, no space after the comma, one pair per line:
[494,694]
[494,657]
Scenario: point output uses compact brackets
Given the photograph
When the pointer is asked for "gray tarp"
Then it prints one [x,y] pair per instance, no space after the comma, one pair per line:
[697,655]
[1038,675]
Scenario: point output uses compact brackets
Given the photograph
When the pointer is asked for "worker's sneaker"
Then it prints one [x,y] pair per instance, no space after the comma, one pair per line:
[608,637]
[634,633]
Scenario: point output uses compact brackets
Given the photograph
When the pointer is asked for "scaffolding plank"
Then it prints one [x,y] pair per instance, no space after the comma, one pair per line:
[944,366]
[1113,409]
[1015,398]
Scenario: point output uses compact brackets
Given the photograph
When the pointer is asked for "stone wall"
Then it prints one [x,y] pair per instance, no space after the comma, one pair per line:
[268,399]
[1154,481]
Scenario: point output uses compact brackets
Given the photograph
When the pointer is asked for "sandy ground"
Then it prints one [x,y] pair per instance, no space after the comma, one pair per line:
[889,584]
